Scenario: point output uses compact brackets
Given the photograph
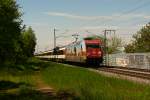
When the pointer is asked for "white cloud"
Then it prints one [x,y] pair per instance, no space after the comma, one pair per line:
[108,17]
[99,27]
[147,17]
[36,24]
[72,16]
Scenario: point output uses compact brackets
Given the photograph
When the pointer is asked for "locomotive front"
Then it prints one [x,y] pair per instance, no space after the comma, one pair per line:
[94,52]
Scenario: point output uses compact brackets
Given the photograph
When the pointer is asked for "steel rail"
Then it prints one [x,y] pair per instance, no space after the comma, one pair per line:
[133,73]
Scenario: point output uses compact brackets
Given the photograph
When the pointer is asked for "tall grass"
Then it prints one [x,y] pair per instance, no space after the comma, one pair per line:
[89,85]
[17,82]
[27,72]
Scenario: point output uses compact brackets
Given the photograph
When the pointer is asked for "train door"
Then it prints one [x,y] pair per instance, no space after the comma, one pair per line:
[82,52]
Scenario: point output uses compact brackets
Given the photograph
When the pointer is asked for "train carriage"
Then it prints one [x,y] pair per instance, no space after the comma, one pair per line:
[54,56]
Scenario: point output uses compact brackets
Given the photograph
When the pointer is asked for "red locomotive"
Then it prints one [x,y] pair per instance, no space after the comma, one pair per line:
[85,51]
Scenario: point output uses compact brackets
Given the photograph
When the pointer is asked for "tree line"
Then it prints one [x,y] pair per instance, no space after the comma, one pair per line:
[17,43]
[140,42]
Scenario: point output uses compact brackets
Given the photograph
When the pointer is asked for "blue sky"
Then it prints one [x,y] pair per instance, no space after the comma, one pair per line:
[80,16]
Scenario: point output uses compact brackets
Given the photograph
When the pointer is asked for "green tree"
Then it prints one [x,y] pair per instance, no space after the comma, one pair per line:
[141,42]
[29,42]
[10,31]
[130,48]
[113,44]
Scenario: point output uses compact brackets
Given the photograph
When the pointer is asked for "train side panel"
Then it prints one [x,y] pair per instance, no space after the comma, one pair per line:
[76,52]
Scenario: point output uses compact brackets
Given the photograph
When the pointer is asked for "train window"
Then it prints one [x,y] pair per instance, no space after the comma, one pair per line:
[70,50]
[92,46]
[81,48]
[75,51]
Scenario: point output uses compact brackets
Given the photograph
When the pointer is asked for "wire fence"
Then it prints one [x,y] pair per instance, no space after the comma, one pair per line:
[132,60]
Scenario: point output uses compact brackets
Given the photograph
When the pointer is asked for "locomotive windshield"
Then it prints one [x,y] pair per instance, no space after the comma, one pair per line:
[92,46]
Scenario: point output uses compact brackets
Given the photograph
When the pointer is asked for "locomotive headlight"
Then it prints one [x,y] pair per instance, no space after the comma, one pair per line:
[99,53]
[93,52]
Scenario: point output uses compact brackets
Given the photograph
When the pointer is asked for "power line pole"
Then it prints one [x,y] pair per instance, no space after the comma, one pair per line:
[54,38]
[54,50]
[106,45]
[75,36]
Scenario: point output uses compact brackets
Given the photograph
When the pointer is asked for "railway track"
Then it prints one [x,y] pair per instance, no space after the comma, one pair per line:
[128,72]
[135,69]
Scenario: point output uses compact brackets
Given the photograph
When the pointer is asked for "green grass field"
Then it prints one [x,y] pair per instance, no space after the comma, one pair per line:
[88,85]
[19,82]
[69,82]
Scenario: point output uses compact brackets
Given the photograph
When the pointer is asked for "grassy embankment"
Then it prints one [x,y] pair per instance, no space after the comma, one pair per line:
[18,83]
[88,85]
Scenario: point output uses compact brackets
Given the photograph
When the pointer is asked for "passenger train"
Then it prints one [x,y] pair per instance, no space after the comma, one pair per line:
[84,51]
